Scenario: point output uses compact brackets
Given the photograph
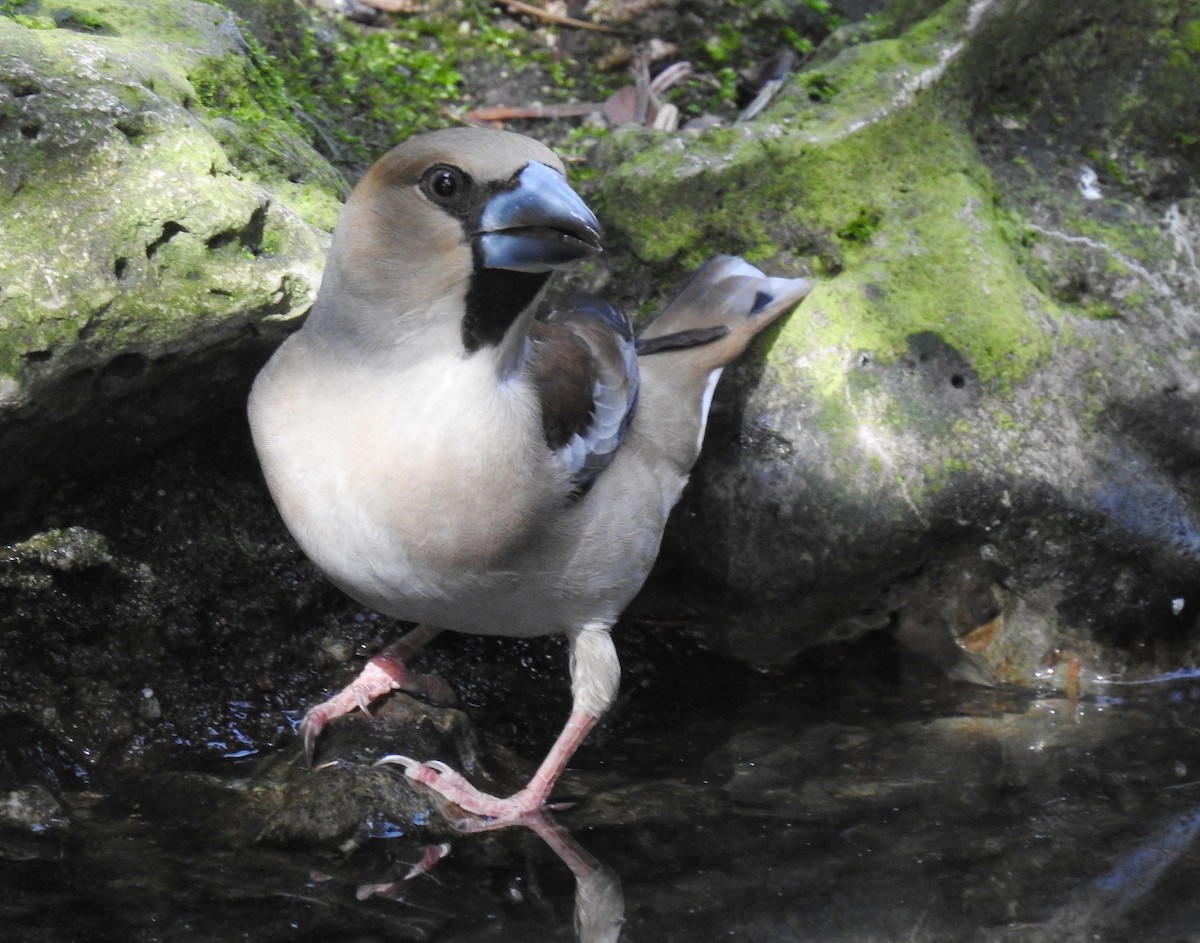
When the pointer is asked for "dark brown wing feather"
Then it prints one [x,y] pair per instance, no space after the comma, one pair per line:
[565,376]
[584,366]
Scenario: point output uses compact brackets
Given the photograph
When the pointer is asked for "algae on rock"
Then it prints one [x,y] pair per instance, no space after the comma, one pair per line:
[946,399]
[157,209]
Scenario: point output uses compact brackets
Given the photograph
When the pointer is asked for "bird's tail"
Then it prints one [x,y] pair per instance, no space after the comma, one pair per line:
[682,354]
[719,310]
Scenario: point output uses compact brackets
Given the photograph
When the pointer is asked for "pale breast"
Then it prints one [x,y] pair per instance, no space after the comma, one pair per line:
[402,487]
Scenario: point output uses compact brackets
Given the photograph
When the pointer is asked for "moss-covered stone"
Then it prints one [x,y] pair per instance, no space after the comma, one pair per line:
[1109,78]
[981,308]
[30,564]
[157,202]
[362,89]
[881,194]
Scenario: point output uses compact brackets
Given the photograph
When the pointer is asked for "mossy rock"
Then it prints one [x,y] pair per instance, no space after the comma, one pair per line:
[983,381]
[159,207]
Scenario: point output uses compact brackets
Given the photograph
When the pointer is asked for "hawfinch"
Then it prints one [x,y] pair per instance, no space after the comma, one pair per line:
[449,456]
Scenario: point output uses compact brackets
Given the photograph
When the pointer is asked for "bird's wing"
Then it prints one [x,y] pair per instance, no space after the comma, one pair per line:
[584,365]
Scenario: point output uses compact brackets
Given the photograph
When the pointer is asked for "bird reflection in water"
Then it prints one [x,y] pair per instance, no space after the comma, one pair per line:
[599,899]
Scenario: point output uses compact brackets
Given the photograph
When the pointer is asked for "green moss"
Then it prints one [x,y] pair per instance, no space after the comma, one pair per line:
[861,227]
[1106,165]
[402,76]
[883,196]
[34,22]
[1189,35]
[131,227]
[31,564]
[924,248]
[1005,421]
[724,45]
[819,86]
[268,142]
[365,89]
[751,30]
[153,20]
[188,276]
[251,113]
[901,15]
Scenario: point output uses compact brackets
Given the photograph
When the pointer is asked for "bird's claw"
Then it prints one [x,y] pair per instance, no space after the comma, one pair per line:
[310,729]
[452,786]
[396,759]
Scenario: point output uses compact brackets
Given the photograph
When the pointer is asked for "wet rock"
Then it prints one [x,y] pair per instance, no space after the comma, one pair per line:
[355,822]
[132,630]
[346,799]
[31,809]
[997,372]
[30,565]
[161,222]
[31,756]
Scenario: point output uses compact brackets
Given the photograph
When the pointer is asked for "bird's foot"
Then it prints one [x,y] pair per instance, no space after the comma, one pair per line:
[451,785]
[378,677]
[381,675]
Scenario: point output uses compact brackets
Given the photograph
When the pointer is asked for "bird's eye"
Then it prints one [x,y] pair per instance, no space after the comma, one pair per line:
[444,184]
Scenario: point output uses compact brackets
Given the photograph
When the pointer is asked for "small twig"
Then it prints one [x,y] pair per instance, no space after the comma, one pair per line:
[641,78]
[516,6]
[394,6]
[671,75]
[491,113]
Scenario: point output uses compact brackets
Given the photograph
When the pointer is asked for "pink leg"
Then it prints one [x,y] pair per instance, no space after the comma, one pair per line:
[384,673]
[502,812]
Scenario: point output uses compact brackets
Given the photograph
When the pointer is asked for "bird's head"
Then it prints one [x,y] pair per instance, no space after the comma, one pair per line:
[452,230]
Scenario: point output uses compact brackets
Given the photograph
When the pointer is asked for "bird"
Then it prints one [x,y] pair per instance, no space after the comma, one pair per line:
[450,454]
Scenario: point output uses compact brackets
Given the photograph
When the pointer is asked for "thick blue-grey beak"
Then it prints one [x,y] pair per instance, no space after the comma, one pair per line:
[538,225]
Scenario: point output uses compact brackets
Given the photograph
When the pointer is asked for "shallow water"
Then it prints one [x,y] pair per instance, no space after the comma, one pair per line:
[849,800]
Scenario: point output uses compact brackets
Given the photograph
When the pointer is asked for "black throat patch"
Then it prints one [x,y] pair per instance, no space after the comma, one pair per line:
[494,301]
